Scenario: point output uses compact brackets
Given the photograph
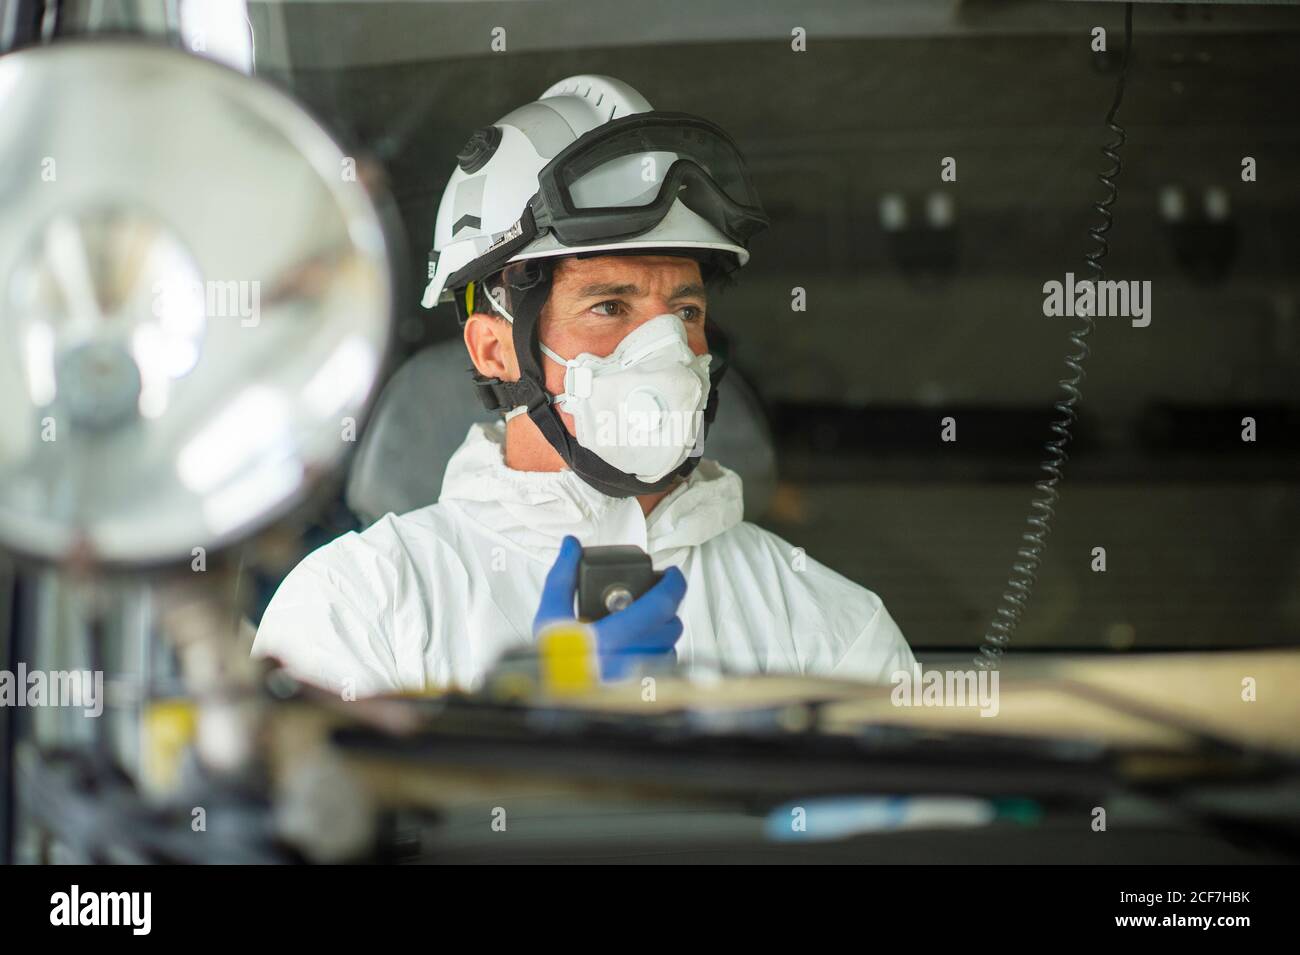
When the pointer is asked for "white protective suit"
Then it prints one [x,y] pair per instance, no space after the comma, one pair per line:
[431,598]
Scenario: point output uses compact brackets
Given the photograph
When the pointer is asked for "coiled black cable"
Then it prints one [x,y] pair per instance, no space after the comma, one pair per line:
[1024,572]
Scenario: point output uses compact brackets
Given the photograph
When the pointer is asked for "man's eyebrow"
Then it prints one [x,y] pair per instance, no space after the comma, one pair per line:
[609,288]
[632,290]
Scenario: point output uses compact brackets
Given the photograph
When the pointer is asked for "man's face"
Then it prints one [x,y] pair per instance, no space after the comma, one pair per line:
[595,303]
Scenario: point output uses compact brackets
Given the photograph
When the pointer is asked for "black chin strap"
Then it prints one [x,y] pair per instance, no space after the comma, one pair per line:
[527,299]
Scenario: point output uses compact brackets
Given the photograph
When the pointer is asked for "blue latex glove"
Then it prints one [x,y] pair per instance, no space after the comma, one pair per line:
[647,628]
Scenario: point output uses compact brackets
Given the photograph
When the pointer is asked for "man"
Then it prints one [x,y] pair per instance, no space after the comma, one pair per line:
[577,238]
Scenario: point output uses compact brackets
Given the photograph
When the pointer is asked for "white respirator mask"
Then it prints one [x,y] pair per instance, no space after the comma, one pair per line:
[640,408]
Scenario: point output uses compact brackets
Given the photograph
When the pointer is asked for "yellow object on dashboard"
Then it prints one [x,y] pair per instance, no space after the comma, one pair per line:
[567,658]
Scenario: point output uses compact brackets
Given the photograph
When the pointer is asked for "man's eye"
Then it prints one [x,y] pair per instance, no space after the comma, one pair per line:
[690,313]
[610,309]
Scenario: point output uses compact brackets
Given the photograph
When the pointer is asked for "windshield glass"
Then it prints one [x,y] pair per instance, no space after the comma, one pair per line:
[927,175]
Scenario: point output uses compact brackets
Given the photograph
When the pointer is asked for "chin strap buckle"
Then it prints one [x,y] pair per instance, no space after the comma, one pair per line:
[504,396]
[488,391]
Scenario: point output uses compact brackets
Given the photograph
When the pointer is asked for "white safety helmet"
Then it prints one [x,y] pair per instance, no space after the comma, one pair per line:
[590,167]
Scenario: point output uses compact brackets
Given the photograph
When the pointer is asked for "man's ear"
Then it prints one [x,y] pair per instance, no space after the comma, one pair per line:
[491,345]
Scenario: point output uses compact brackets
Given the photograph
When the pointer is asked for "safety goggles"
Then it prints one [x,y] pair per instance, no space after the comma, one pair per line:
[619,181]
